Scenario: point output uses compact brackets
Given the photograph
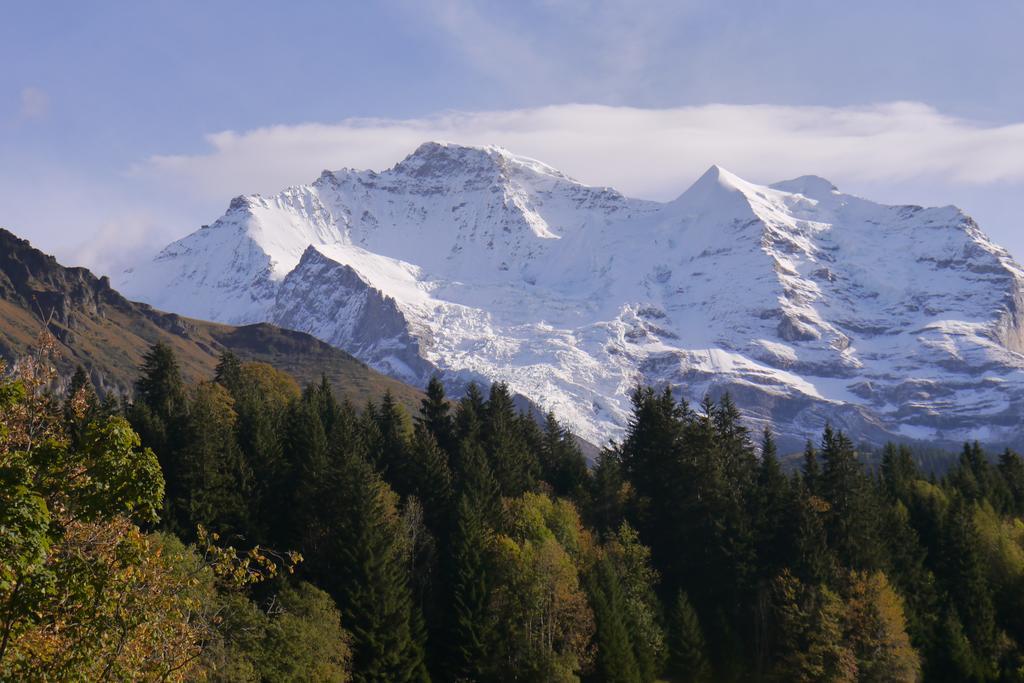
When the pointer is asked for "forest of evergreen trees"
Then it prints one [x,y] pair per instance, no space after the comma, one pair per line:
[468,542]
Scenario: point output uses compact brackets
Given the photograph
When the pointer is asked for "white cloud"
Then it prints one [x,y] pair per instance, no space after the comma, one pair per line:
[34,103]
[652,153]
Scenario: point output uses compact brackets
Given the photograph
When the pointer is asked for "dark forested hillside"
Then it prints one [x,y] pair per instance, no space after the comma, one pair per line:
[463,541]
[100,330]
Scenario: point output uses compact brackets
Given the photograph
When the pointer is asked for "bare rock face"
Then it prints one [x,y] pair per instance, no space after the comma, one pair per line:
[806,304]
[333,302]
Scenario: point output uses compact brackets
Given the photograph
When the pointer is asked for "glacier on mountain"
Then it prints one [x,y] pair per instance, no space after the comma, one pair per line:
[806,304]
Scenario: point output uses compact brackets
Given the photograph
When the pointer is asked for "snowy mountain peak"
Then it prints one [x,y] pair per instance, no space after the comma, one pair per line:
[807,304]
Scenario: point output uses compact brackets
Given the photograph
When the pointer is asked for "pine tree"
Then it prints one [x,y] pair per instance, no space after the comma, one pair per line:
[215,479]
[608,491]
[472,629]
[965,579]
[158,414]
[641,608]
[1011,467]
[687,651]
[814,561]
[852,520]
[364,566]
[811,468]
[667,490]
[229,372]
[304,470]
[899,471]
[810,643]
[431,478]
[469,416]
[772,512]
[615,660]
[507,454]
[392,456]
[562,462]
[476,482]
[952,658]
[327,405]
[910,574]
[435,416]
[160,385]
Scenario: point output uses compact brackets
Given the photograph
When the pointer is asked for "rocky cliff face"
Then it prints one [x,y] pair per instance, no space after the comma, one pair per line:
[107,334]
[805,303]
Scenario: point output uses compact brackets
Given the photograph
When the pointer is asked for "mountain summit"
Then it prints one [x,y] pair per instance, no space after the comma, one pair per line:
[805,303]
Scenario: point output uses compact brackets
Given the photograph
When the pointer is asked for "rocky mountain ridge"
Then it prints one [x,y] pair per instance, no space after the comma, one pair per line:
[106,334]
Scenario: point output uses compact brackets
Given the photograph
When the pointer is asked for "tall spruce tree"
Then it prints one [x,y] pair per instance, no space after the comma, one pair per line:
[431,478]
[562,463]
[393,459]
[966,581]
[472,630]
[507,452]
[615,661]
[364,565]
[215,479]
[853,511]
[435,416]
[687,649]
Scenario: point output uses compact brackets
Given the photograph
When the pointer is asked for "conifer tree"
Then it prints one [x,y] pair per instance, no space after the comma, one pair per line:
[811,467]
[687,650]
[469,416]
[505,447]
[327,405]
[160,385]
[431,478]
[1011,467]
[476,482]
[810,643]
[852,518]
[965,579]
[641,608]
[229,372]
[562,462]
[608,491]
[364,565]
[615,660]
[952,658]
[215,479]
[435,416]
[899,471]
[814,559]
[392,458]
[772,511]
[158,413]
[472,629]
[305,467]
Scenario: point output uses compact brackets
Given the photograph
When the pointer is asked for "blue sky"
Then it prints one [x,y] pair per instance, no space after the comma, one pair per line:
[126,124]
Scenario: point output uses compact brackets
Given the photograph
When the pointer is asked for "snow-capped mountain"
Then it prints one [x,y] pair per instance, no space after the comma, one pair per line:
[805,303]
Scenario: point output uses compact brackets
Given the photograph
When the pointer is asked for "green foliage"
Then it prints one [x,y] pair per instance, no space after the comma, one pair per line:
[451,545]
[810,643]
[615,661]
[298,638]
[473,628]
[687,650]
[545,621]
[364,567]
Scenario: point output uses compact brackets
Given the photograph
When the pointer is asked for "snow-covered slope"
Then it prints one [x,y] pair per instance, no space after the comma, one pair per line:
[805,303]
